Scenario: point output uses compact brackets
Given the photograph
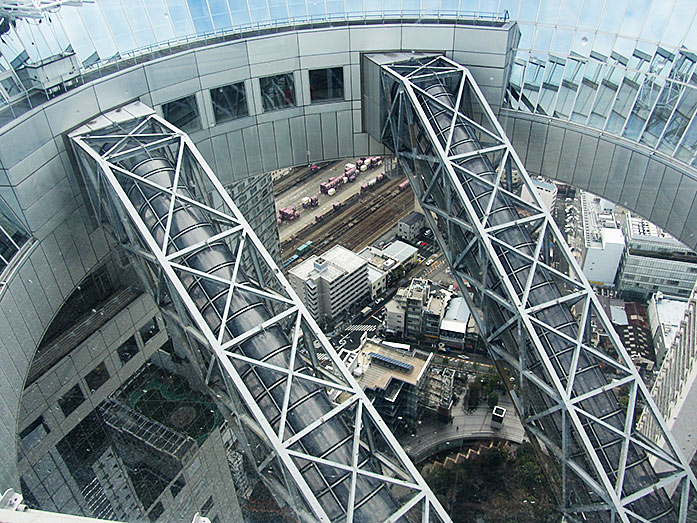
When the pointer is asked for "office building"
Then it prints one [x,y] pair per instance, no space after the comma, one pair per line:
[334,283]
[675,388]
[603,240]
[665,316]
[654,261]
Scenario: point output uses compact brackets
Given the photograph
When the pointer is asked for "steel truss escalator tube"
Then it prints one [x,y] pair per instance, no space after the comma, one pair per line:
[308,401]
[639,473]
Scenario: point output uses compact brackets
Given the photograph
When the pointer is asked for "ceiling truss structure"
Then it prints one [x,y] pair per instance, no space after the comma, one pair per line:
[574,384]
[328,453]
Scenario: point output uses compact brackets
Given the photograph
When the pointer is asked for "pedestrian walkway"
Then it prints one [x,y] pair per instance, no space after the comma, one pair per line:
[361,328]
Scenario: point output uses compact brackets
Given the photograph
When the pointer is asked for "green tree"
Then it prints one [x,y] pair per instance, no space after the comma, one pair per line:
[492,399]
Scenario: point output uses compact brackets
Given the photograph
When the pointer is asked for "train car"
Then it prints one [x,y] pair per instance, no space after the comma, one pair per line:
[290,260]
[403,185]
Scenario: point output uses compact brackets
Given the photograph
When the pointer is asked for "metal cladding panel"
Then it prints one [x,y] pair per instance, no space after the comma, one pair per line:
[471,59]
[21,140]
[632,182]
[649,187]
[569,156]
[112,91]
[268,147]
[322,61]
[482,40]
[8,197]
[222,58]
[44,275]
[187,86]
[314,137]
[536,144]
[230,76]
[40,181]
[375,38]
[552,151]
[252,150]
[688,235]
[298,141]
[682,204]
[8,452]
[427,38]
[584,164]
[617,173]
[284,65]
[223,161]
[665,197]
[54,206]
[281,130]
[171,71]
[323,41]
[35,290]
[330,143]
[345,133]
[272,48]
[360,144]
[601,165]
[520,138]
[238,155]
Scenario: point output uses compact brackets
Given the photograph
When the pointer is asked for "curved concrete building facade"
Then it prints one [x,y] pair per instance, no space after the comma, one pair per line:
[57,241]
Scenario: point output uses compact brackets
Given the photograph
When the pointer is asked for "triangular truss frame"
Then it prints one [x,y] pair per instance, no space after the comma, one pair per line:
[498,245]
[104,155]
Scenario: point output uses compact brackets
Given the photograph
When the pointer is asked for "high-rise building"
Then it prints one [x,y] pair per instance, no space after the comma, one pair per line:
[675,388]
[654,261]
[596,95]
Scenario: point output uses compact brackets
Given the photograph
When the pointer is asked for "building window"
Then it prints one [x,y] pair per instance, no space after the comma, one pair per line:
[327,84]
[34,433]
[12,235]
[71,400]
[229,102]
[207,506]
[149,330]
[177,486]
[97,377]
[277,92]
[183,113]
[128,350]
[156,511]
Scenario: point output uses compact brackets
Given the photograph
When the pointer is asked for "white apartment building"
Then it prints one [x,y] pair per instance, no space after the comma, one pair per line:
[332,283]
[603,240]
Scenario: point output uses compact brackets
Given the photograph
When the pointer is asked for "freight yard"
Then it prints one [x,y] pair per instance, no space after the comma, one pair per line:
[349,202]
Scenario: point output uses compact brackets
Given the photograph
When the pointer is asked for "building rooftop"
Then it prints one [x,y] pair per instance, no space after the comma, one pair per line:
[671,311]
[412,218]
[598,220]
[333,264]
[374,274]
[373,374]
[399,251]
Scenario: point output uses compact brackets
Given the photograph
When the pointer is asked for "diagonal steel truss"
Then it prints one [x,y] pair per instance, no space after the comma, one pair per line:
[573,383]
[328,453]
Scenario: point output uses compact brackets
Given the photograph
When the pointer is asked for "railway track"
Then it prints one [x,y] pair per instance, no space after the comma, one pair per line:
[298,176]
[359,223]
